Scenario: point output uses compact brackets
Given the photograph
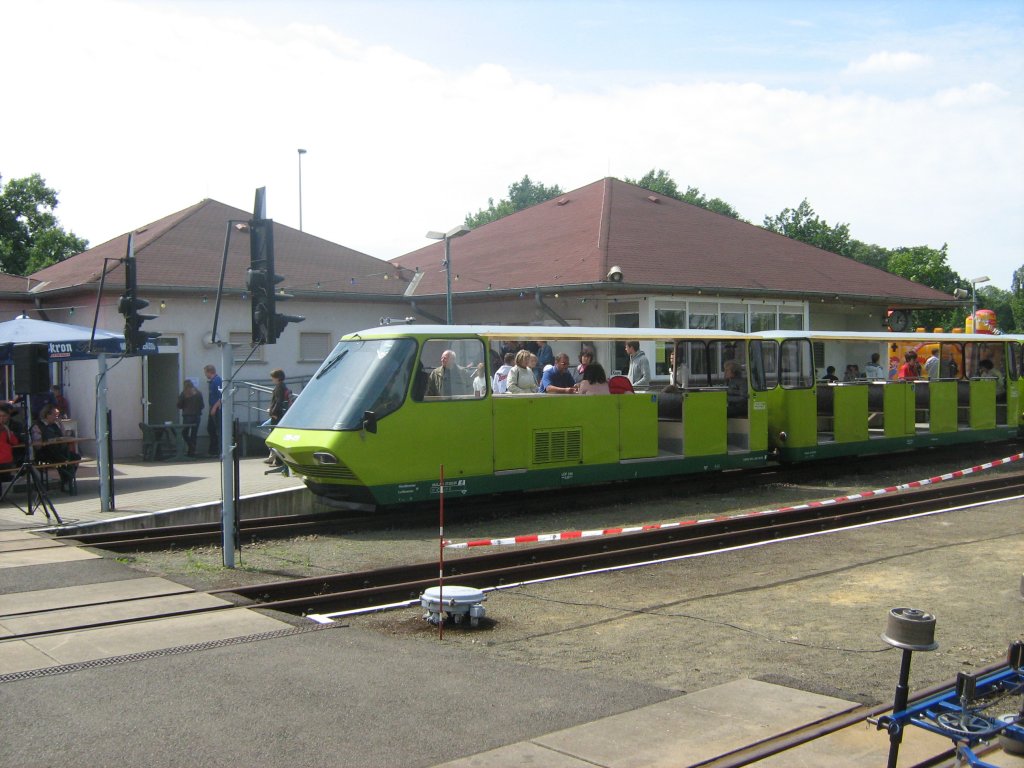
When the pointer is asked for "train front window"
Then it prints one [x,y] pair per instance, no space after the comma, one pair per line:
[358,376]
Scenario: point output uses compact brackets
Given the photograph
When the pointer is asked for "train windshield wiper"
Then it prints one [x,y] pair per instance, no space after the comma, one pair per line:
[331,364]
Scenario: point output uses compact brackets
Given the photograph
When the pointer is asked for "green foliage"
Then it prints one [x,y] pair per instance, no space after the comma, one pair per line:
[1017,299]
[521,194]
[930,266]
[803,224]
[1001,302]
[30,235]
[659,181]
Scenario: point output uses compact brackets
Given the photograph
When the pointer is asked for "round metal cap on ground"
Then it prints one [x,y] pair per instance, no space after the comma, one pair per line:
[911,629]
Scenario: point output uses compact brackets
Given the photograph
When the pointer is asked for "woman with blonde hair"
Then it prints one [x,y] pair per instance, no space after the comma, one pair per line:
[520,379]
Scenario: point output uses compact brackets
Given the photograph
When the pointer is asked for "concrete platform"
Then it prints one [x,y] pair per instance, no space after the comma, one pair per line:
[710,724]
[148,488]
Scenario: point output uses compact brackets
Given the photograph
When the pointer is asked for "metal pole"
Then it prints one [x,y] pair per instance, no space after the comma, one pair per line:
[227,475]
[899,704]
[448,276]
[102,444]
[301,153]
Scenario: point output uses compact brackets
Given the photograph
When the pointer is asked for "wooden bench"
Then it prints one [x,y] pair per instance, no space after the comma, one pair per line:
[44,470]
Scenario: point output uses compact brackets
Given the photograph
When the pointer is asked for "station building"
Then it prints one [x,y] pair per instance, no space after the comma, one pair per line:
[607,254]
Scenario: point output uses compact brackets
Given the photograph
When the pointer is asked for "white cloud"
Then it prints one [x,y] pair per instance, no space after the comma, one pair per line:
[889,63]
[153,110]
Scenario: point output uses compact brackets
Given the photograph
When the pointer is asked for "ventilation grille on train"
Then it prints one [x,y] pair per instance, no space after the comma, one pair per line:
[557,445]
[322,471]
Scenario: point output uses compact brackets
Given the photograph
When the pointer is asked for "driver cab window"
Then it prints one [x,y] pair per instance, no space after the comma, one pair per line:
[451,369]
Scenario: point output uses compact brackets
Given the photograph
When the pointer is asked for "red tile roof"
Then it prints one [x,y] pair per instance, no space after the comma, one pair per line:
[661,244]
[184,250]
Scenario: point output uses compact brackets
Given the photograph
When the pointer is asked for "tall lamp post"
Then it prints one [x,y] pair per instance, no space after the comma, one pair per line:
[301,153]
[974,294]
[447,264]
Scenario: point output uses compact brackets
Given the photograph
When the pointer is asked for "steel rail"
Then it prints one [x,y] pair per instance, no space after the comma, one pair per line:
[362,589]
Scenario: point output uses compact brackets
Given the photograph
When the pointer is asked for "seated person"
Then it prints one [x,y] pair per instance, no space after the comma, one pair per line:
[987,370]
[8,441]
[830,375]
[594,381]
[520,378]
[557,379]
[736,396]
[44,433]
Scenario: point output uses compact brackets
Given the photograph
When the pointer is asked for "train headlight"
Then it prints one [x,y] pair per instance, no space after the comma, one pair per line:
[324,457]
[783,437]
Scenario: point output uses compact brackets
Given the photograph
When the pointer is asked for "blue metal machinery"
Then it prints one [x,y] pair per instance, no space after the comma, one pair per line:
[966,712]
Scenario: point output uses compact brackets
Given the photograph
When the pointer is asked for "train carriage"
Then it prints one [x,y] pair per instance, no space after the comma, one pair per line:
[378,421]
[954,398]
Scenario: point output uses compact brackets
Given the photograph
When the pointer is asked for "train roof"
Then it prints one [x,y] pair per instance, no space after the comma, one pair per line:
[576,333]
[546,332]
[888,336]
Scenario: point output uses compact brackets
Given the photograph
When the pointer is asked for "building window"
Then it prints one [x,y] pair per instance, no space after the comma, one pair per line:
[244,351]
[791,321]
[764,318]
[313,347]
[734,318]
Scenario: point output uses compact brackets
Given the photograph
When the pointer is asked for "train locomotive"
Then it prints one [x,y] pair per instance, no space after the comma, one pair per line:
[370,429]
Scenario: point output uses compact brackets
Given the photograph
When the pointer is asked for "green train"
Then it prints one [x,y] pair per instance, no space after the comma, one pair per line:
[381,422]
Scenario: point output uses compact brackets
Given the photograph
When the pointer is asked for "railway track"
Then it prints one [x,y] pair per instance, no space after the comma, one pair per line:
[363,590]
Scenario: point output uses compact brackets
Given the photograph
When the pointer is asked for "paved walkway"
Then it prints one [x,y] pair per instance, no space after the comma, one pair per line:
[142,487]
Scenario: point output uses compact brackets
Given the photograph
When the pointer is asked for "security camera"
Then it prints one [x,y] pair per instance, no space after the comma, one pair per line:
[615,274]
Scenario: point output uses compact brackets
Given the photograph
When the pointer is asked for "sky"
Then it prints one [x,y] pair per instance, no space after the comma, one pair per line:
[904,120]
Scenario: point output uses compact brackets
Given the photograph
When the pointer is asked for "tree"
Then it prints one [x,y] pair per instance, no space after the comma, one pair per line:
[659,181]
[803,224]
[1017,299]
[930,266]
[521,194]
[30,234]
[1001,302]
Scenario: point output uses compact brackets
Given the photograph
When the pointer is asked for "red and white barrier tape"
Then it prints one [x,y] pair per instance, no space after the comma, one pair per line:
[533,538]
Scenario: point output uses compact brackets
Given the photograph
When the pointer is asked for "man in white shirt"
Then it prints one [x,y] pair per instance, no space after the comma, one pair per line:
[499,383]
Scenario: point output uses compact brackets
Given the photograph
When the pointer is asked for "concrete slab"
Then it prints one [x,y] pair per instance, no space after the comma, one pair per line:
[19,656]
[87,594]
[127,610]
[104,642]
[861,746]
[18,535]
[695,727]
[525,754]
[44,556]
[35,542]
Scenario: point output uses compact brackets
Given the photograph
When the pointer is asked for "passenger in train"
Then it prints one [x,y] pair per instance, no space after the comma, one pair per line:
[594,381]
[679,374]
[931,365]
[535,368]
[948,368]
[639,367]
[911,369]
[736,394]
[480,380]
[988,370]
[520,378]
[557,379]
[545,356]
[852,372]
[586,358]
[499,383]
[448,379]
[873,370]
[830,375]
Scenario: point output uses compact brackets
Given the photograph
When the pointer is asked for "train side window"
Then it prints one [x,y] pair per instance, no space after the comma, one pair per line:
[446,369]
[796,364]
[764,370]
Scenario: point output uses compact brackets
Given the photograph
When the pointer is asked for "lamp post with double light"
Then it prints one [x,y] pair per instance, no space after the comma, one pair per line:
[447,264]
[974,294]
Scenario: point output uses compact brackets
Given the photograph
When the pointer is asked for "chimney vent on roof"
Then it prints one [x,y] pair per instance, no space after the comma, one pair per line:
[654,198]
[562,201]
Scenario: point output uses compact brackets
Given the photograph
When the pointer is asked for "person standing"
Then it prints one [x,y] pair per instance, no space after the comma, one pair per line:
[545,356]
[190,403]
[448,379]
[931,365]
[639,367]
[280,399]
[214,382]
[61,402]
[874,370]
[500,382]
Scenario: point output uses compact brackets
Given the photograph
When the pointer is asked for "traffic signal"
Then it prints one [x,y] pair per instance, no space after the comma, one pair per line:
[129,305]
[261,282]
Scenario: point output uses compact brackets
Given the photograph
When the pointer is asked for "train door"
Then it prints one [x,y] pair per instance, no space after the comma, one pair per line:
[453,421]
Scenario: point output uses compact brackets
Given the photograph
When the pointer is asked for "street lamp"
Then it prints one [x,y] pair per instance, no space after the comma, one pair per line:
[301,153]
[447,263]
[974,294]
